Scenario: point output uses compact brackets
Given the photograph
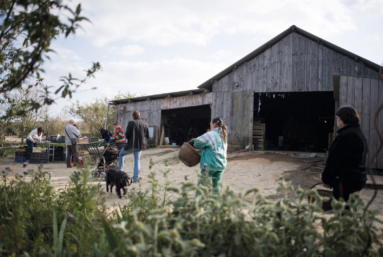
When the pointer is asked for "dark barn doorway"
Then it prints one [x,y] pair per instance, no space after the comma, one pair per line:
[295,121]
[184,124]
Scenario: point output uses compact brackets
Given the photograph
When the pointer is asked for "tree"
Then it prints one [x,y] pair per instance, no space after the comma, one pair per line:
[94,113]
[54,124]
[125,95]
[23,124]
[27,30]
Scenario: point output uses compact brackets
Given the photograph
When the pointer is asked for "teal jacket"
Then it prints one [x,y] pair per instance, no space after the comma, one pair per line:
[213,150]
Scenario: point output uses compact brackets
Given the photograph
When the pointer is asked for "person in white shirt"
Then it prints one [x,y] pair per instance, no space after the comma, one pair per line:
[33,139]
[71,132]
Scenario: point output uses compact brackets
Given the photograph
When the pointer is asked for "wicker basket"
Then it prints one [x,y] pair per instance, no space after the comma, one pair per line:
[188,155]
[326,205]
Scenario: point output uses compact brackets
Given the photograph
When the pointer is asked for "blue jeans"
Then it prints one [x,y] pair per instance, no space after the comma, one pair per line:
[30,146]
[137,154]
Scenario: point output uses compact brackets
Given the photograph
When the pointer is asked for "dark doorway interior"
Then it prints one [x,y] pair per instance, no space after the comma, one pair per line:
[184,124]
[296,121]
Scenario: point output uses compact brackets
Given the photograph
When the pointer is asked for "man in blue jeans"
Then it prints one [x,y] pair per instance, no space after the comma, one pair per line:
[137,134]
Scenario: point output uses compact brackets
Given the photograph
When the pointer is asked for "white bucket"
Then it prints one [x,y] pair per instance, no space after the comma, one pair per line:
[166,141]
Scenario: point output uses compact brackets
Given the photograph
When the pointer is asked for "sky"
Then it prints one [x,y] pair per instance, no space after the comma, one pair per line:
[153,47]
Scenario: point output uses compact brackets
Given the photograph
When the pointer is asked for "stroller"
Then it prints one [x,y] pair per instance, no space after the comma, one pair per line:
[107,157]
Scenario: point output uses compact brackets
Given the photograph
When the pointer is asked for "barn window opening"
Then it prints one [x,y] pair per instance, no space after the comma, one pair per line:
[297,121]
[183,124]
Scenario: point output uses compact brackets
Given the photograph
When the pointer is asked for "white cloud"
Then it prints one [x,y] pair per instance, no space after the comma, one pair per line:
[160,76]
[173,22]
[129,50]
[222,54]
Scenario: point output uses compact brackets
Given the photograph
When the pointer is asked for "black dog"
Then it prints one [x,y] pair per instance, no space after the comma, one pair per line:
[119,179]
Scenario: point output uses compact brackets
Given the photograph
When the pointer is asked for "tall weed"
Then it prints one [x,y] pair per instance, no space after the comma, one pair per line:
[27,207]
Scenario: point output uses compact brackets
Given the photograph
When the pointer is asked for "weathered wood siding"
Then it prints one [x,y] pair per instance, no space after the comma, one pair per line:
[314,65]
[186,101]
[366,95]
[294,64]
[151,110]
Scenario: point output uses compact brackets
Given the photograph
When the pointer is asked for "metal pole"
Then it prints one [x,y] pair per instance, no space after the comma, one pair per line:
[107,113]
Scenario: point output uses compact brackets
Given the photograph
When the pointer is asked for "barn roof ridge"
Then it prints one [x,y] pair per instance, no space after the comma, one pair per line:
[208,83]
[195,91]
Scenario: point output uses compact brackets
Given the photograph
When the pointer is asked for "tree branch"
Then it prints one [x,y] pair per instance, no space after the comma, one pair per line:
[6,19]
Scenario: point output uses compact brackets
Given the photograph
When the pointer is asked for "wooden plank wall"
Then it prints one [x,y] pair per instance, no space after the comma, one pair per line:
[294,64]
[242,116]
[151,110]
[186,101]
[366,95]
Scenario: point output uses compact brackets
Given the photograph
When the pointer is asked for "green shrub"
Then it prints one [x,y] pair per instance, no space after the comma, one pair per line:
[227,225]
[27,205]
[37,220]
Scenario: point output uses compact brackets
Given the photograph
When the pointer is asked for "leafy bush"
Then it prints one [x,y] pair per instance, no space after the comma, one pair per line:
[227,225]
[153,224]
[27,204]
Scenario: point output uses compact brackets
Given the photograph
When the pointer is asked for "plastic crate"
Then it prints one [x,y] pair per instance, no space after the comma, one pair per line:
[23,154]
[38,158]
[20,159]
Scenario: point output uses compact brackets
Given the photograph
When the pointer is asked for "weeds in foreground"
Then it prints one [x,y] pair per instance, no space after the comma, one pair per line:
[27,207]
[226,225]
[35,220]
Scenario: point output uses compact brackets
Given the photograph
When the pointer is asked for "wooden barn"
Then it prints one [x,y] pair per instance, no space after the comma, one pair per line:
[281,96]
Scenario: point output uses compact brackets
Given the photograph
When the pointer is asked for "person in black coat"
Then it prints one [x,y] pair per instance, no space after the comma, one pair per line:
[105,134]
[137,134]
[345,169]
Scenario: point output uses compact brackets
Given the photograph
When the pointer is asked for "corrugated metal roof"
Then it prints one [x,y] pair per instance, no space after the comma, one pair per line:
[160,96]
[208,84]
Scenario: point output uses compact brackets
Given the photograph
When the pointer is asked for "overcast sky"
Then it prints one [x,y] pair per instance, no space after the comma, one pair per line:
[152,47]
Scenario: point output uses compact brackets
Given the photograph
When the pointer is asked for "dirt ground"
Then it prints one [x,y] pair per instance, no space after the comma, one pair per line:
[242,173]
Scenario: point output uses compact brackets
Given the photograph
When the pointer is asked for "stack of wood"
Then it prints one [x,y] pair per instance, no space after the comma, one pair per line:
[259,131]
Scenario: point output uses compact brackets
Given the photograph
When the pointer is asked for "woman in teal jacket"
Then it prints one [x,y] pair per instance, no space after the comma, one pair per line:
[213,157]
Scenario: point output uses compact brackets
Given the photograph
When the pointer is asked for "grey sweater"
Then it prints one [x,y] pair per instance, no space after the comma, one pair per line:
[72,132]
